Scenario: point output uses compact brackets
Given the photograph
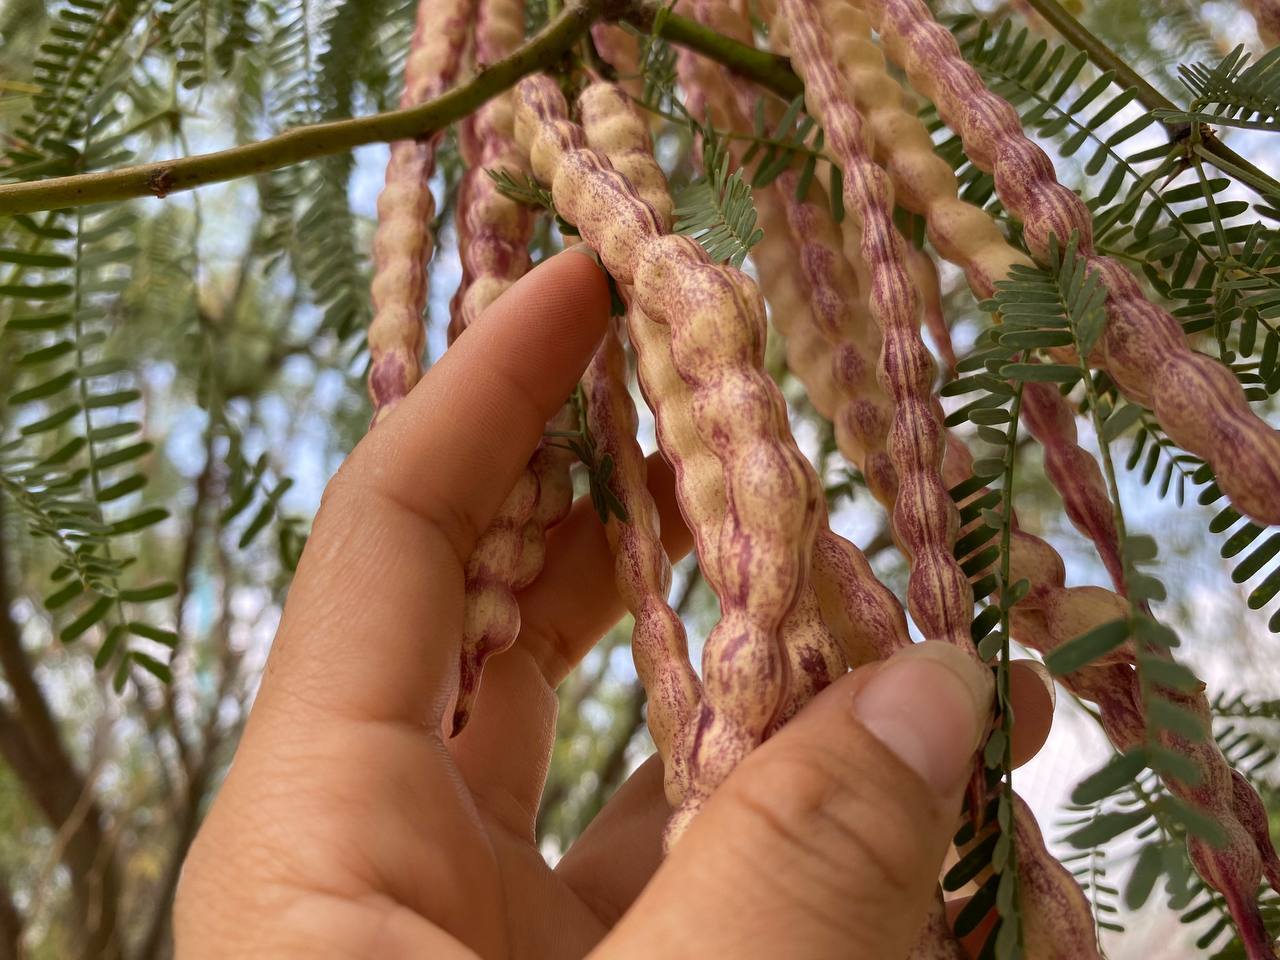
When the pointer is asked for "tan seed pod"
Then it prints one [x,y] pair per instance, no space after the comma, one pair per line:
[402,243]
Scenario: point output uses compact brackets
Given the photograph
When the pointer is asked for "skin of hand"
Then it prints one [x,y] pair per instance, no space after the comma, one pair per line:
[349,826]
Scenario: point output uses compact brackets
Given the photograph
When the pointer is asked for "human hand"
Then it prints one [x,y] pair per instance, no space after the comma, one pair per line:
[348,826]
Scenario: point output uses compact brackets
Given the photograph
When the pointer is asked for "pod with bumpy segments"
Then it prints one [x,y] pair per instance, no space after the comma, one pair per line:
[924,516]
[1198,401]
[402,243]
[493,237]
[642,570]
[764,537]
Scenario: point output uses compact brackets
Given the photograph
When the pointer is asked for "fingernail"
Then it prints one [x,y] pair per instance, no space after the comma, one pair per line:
[929,704]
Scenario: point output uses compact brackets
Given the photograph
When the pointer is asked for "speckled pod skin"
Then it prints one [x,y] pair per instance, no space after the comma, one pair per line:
[402,243]
[641,568]
[493,238]
[1074,472]
[767,511]
[1267,15]
[924,517]
[1057,923]
[924,274]
[1198,402]
[861,612]
[1233,869]
[493,230]
[923,182]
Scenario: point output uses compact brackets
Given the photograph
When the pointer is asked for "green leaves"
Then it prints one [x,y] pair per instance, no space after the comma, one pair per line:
[716,209]
[1234,93]
[1088,647]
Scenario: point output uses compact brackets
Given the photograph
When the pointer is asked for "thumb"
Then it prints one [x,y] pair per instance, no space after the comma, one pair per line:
[828,839]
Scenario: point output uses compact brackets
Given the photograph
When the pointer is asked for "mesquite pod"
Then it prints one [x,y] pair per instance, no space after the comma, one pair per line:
[1074,472]
[402,243]
[813,654]
[861,612]
[923,182]
[1057,923]
[924,516]
[924,274]
[716,320]
[493,238]
[641,568]
[1197,400]
[1235,867]
[493,229]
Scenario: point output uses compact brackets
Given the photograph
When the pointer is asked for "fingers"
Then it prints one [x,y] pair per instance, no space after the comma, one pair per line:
[828,838]
[373,617]
[621,848]
[1032,696]
[574,600]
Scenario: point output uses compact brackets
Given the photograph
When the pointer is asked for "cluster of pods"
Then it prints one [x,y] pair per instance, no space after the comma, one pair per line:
[799,603]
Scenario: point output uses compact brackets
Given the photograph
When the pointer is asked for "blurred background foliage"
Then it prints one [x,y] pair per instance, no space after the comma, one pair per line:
[236,315]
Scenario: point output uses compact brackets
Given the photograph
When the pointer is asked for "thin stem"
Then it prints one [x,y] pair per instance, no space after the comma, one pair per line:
[1104,58]
[306,142]
[767,69]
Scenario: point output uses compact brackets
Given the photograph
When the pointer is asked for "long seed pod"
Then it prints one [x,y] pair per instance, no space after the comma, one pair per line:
[1074,472]
[1197,400]
[402,243]
[714,317]
[493,238]
[641,568]
[1234,867]
[924,274]
[924,516]
[621,50]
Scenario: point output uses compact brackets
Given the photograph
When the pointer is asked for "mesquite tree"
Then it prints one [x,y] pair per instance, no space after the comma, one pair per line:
[793,199]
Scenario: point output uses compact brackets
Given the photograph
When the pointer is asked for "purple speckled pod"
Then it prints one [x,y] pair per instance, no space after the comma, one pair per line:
[696,331]
[1235,868]
[402,243]
[493,238]
[1074,472]
[1198,402]
[924,517]
[641,568]
[493,230]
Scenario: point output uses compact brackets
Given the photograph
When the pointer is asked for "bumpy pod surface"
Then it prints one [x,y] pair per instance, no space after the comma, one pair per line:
[715,317]
[924,516]
[1074,472]
[923,182]
[493,230]
[641,568]
[402,242]
[1057,923]
[1233,868]
[1197,400]
[493,237]
[860,611]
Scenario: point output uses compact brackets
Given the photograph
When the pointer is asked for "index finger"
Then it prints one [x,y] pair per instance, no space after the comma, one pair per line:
[371,627]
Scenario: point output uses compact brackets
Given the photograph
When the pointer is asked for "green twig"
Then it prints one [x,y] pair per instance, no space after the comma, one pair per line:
[767,69]
[306,142]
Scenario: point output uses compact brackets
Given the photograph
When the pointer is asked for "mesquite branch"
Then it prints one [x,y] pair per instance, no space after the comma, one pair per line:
[161,178]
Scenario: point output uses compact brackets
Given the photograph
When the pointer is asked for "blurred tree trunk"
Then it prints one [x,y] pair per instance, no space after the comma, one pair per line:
[31,744]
